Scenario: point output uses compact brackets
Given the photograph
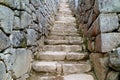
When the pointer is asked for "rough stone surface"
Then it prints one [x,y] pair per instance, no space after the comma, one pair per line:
[22,63]
[114,58]
[22,25]
[18,39]
[4,41]
[25,19]
[107,41]
[31,37]
[109,6]
[6,20]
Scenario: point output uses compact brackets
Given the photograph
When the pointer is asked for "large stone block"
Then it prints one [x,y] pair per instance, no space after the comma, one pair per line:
[18,39]
[104,23]
[6,20]
[107,41]
[99,64]
[109,5]
[4,41]
[22,63]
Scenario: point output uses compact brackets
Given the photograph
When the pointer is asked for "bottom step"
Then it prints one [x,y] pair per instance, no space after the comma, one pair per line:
[81,76]
[61,68]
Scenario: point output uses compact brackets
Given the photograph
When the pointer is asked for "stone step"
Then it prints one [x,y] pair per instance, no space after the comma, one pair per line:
[66,48]
[78,77]
[60,56]
[66,19]
[81,76]
[76,68]
[54,37]
[65,42]
[60,22]
[49,67]
[64,29]
[64,33]
[61,68]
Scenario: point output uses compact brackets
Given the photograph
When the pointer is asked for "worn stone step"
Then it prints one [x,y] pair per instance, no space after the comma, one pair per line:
[64,33]
[78,77]
[63,29]
[65,11]
[63,68]
[76,68]
[66,48]
[54,37]
[64,22]
[49,67]
[66,19]
[59,42]
[81,76]
[60,56]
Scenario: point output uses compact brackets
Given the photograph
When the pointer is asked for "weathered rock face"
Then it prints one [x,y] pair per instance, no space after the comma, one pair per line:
[22,24]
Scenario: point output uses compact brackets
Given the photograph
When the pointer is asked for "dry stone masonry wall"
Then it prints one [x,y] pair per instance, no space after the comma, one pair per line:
[23,24]
[99,20]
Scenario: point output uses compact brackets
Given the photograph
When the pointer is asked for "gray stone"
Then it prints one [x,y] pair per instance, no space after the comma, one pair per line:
[6,20]
[22,63]
[108,22]
[113,75]
[25,19]
[4,41]
[103,24]
[109,5]
[114,58]
[18,39]
[16,23]
[2,71]
[31,37]
[11,3]
[107,41]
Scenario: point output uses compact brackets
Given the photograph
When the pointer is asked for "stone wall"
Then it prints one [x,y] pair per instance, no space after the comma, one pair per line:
[23,25]
[99,21]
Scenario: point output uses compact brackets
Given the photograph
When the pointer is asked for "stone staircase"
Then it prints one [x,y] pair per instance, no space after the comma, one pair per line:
[63,56]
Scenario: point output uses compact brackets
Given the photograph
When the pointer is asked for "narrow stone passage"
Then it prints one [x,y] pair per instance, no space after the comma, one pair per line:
[63,56]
